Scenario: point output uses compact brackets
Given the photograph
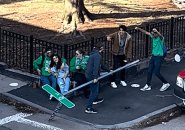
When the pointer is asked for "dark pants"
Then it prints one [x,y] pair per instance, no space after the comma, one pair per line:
[154,67]
[81,79]
[94,90]
[118,62]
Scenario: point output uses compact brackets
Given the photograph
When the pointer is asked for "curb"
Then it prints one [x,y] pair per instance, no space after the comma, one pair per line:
[150,119]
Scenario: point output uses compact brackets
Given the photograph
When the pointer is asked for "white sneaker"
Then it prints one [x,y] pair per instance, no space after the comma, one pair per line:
[123,83]
[50,97]
[164,87]
[146,87]
[113,84]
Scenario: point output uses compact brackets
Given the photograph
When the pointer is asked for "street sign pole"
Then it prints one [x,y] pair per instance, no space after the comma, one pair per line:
[57,109]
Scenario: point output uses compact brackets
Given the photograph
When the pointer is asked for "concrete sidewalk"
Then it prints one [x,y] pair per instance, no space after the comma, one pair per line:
[122,107]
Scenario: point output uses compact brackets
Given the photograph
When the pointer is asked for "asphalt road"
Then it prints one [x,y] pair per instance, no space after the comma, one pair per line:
[11,119]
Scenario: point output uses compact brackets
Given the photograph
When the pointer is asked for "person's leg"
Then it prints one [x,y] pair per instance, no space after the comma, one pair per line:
[149,75]
[81,79]
[114,79]
[61,84]
[122,72]
[115,66]
[45,80]
[53,80]
[150,71]
[67,84]
[158,61]
[78,78]
[94,88]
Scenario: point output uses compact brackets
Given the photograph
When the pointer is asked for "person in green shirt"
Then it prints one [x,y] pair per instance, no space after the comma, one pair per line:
[42,65]
[156,59]
[77,68]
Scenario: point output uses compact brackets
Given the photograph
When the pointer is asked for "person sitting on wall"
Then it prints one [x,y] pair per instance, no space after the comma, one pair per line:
[60,70]
[42,65]
[77,67]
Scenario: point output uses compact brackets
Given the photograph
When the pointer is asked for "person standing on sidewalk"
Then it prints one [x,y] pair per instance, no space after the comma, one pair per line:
[92,73]
[156,59]
[42,65]
[122,50]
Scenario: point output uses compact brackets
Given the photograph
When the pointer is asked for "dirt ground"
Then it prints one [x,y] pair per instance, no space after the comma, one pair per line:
[43,18]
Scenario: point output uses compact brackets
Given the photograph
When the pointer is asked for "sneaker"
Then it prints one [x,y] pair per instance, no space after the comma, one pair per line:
[50,97]
[99,100]
[113,84]
[146,87]
[90,110]
[164,87]
[123,83]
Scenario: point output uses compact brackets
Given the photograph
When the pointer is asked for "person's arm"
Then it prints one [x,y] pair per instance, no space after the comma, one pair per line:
[143,31]
[62,66]
[96,65]
[159,34]
[72,65]
[128,50]
[66,69]
[36,64]
[110,36]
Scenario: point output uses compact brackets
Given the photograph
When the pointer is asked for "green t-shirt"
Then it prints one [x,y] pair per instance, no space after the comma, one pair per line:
[157,46]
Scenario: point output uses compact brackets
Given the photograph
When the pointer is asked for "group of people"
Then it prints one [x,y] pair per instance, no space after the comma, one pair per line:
[54,70]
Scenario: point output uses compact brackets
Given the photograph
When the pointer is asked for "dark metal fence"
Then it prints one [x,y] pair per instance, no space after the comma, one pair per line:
[19,51]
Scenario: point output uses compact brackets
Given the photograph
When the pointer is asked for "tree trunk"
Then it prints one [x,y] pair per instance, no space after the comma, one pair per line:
[75,12]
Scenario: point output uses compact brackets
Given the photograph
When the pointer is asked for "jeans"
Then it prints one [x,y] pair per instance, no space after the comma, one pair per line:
[154,67]
[94,90]
[50,80]
[64,84]
[118,62]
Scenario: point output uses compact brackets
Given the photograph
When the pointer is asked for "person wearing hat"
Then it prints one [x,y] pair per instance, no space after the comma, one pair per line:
[42,65]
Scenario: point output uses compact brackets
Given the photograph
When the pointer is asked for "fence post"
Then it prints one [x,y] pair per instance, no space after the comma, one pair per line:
[66,51]
[92,43]
[171,32]
[147,39]
[31,54]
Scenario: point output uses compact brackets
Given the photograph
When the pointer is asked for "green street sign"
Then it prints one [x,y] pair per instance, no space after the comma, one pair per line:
[58,96]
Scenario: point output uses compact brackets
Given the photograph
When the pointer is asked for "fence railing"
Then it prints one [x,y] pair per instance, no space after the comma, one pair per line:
[19,51]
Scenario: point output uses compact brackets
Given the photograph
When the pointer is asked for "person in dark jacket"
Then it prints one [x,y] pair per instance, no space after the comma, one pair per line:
[92,73]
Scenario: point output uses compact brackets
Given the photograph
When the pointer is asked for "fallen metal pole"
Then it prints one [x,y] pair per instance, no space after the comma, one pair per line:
[103,76]
[59,105]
